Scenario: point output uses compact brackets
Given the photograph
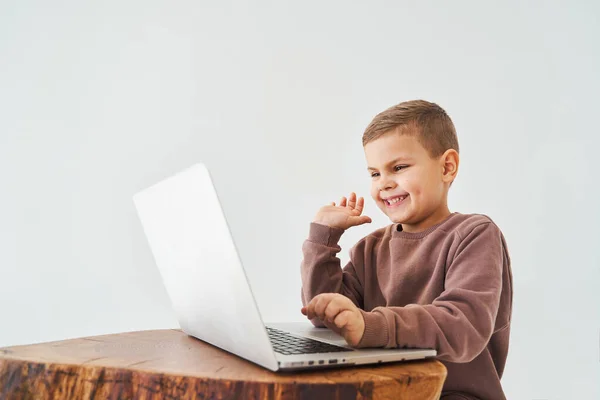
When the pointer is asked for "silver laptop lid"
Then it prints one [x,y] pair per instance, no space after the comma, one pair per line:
[202,273]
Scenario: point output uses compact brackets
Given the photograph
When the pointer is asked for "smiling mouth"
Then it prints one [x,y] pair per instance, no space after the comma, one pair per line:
[394,201]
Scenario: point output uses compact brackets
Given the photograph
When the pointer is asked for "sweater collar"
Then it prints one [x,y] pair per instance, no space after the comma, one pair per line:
[398,233]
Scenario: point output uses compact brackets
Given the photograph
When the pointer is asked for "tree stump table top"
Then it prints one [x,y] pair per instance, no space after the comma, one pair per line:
[168,364]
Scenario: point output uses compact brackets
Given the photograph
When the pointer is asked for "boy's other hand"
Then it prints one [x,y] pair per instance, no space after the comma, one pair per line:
[339,314]
[344,216]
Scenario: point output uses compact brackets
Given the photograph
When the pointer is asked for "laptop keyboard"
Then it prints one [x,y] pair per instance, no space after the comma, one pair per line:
[285,343]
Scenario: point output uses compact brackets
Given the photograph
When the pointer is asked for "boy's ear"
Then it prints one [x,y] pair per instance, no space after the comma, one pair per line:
[449,162]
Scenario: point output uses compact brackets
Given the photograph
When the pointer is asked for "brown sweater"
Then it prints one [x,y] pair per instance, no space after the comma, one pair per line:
[448,288]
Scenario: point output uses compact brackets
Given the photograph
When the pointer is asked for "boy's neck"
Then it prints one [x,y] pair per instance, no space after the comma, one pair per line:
[435,218]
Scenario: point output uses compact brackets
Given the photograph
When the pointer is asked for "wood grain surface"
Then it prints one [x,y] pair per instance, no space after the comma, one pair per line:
[168,364]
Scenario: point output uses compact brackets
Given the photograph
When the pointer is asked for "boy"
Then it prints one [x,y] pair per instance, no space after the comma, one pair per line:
[433,278]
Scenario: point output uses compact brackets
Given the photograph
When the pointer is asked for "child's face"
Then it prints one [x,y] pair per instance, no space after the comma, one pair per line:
[407,184]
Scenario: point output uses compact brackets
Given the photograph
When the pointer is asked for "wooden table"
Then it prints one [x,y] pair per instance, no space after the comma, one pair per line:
[168,364]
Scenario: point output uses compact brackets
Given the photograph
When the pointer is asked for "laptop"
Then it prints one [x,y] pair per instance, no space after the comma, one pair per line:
[202,272]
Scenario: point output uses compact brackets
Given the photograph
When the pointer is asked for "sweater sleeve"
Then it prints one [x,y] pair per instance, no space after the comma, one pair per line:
[321,269]
[459,322]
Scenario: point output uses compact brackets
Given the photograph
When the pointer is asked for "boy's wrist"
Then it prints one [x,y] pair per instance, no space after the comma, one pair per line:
[325,223]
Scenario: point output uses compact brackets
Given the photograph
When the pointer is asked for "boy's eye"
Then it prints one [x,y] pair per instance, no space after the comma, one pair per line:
[396,169]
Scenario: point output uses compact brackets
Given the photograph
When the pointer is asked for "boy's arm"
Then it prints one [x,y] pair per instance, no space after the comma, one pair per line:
[321,268]
[460,322]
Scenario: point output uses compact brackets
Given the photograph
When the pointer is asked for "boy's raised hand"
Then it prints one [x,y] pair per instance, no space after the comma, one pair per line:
[339,314]
[344,216]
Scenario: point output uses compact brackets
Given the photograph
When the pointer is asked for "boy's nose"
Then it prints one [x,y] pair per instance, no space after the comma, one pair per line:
[387,184]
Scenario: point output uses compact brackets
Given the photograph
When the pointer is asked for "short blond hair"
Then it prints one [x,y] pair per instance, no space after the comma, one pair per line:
[433,127]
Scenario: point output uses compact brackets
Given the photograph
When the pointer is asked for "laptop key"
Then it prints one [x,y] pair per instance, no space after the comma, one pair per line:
[285,343]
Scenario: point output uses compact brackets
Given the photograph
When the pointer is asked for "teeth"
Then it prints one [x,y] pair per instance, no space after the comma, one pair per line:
[395,200]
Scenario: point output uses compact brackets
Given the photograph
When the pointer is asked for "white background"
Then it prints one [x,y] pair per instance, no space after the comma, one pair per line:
[99,100]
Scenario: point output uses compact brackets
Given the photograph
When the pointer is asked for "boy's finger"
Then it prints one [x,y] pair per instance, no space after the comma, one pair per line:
[352,200]
[360,204]
[333,309]
[310,309]
[359,220]
[343,202]
[320,305]
[342,319]
[331,326]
